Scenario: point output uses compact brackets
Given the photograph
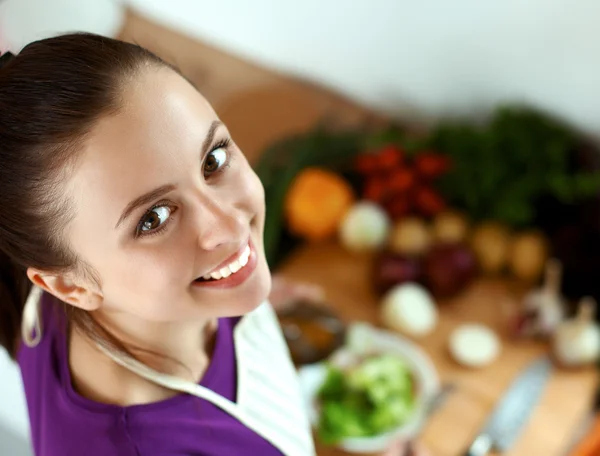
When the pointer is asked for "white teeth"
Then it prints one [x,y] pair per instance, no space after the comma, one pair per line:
[235,266]
[231,268]
[244,257]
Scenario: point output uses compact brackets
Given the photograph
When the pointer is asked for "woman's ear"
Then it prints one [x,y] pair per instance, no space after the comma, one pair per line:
[65,288]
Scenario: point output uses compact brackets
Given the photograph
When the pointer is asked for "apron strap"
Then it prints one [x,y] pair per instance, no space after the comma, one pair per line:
[171,382]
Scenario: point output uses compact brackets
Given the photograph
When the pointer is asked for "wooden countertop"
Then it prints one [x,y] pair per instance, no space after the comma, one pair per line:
[564,403]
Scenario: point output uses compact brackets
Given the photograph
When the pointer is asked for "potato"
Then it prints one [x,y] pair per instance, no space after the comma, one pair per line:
[450,227]
[410,236]
[528,254]
[490,242]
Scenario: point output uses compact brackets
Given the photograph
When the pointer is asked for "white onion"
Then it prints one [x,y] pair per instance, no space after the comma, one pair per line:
[474,345]
[409,308]
[365,227]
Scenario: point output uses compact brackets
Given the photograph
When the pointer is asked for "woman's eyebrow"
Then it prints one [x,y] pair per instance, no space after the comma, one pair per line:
[210,136]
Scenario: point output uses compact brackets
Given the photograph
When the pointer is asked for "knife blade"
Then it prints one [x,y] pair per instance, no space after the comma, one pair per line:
[512,412]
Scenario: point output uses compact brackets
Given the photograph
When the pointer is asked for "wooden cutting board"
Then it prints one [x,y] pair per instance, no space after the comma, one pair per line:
[568,396]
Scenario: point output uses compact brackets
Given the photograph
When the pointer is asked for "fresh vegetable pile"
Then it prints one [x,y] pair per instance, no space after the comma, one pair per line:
[498,171]
[370,398]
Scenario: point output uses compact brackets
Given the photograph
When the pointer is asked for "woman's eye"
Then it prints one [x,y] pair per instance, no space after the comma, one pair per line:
[154,219]
[214,161]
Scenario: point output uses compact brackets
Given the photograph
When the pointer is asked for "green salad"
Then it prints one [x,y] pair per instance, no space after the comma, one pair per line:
[374,396]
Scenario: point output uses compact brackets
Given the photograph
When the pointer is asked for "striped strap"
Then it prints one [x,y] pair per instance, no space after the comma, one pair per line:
[268,388]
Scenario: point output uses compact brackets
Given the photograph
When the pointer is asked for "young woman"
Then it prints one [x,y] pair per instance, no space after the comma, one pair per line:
[130,246]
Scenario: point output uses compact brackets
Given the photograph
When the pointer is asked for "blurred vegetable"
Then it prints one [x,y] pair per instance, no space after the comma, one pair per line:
[399,207]
[490,242]
[281,162]
[410,236]
[527,255]
[474,345]
[392,269]
[499,170]
[502,168]
[316,203]
[379,161]
[431,165]
[427,201]
[401,181]
[589,445]
[365,227]
[402,184]
[450,227]
[543,308]
[448,269]
[577,341]
[409,308]
[367,399]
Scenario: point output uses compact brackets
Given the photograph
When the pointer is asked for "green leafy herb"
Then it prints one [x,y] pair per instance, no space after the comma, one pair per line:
[502,169]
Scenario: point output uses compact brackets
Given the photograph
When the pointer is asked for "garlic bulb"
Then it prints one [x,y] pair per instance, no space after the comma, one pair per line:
[543,308]
[365,227]
[577,341]
[409,308]
[474,345]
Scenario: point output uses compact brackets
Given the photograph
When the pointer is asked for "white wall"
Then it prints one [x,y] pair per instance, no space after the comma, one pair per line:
[13,409]
[438,57]
[23,21]
[434,57]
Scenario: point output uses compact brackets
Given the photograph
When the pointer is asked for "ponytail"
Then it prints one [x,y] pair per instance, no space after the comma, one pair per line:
[14,289]
[51,94]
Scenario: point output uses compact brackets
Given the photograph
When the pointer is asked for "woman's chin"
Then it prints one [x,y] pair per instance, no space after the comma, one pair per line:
[257,293]
[240,309]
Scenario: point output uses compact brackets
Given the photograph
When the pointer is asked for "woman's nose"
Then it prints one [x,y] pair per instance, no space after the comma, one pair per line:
[218,224]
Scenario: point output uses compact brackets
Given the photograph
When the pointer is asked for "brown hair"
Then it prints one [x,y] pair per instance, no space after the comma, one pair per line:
[51,95]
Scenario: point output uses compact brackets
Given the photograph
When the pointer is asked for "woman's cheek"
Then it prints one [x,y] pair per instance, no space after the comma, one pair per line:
[255,188]
[159,266]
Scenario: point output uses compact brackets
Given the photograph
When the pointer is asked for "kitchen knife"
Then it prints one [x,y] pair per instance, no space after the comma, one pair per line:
[513,411]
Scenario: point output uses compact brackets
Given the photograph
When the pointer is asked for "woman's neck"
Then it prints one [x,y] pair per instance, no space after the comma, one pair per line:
[183,350]
[179,348]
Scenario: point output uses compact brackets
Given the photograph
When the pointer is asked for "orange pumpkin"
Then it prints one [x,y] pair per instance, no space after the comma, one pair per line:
[316,202]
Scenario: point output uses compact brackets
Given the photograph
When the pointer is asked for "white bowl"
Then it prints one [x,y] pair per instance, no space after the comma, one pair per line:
[362,338]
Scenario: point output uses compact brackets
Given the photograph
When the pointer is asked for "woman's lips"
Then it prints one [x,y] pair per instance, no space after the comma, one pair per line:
[235,278]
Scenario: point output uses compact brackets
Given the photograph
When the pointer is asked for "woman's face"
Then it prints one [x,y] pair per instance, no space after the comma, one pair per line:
[168,212]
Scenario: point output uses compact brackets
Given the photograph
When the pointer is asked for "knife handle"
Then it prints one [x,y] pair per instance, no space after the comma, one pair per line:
[481,446]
